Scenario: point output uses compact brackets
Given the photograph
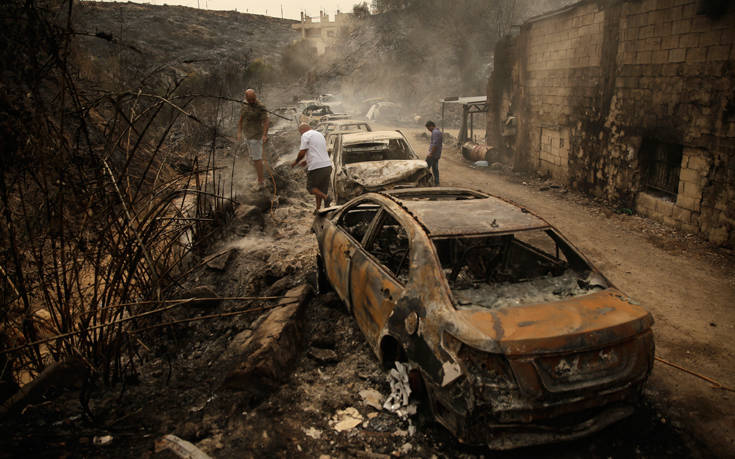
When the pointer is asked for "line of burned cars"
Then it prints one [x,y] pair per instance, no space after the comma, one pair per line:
[516,338]
[364,159]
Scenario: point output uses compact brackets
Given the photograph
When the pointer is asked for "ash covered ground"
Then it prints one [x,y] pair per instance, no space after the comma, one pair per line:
[265,249]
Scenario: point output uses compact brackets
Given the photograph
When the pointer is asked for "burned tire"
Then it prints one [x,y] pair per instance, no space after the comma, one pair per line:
[322,281]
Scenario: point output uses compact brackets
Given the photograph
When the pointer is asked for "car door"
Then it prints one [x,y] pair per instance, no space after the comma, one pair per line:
[378,273]
[342,240]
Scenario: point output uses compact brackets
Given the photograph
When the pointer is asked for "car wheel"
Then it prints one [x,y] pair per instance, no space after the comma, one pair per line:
[322,281]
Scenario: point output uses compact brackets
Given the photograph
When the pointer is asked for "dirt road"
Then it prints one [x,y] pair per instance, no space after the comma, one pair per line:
[688,286]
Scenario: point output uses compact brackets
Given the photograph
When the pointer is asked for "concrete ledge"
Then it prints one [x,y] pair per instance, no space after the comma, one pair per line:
[264,356]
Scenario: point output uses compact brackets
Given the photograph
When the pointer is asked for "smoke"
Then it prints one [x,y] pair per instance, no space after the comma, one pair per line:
[416,53]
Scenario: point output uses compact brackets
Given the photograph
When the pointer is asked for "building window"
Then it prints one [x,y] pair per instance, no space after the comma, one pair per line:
[660,166]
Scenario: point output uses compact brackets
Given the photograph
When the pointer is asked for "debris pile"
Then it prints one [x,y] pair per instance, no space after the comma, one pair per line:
[398,401]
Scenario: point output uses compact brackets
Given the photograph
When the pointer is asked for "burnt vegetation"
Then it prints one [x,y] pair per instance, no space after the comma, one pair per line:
[105,199]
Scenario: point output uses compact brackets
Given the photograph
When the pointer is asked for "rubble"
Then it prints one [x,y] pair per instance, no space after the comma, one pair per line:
[264,358]
[346,419]
[220,260]
[179,447]
[400,390]
[316,434]
[372,398]
[102,440]
[323,355]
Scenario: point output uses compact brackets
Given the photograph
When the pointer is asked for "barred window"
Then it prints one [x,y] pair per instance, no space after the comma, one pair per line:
[660,166]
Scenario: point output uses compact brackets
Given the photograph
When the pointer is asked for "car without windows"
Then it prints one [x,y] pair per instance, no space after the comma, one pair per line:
[312,113]
[340,126]
[343,126]
[374,161]
[517,338]
[334,117]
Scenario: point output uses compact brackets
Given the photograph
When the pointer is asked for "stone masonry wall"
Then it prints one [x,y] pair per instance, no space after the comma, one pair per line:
[600,79]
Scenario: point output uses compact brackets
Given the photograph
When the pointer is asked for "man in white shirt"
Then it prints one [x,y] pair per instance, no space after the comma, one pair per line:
[318,164]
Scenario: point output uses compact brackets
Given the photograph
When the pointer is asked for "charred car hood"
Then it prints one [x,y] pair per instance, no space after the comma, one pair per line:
[583,322]
[376,174]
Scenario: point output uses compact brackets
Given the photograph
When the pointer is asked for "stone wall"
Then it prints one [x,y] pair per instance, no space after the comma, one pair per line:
[599,80]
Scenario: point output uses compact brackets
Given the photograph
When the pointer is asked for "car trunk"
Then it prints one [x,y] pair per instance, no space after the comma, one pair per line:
[580,323]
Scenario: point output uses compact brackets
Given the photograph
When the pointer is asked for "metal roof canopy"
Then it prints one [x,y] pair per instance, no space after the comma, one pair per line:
[470,106]
[465,100]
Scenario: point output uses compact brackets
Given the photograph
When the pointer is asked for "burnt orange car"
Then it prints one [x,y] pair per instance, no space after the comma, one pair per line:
[518,339]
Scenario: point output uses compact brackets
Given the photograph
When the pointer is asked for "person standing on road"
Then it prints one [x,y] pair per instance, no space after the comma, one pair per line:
[254,120]
[435,150]
[318,164]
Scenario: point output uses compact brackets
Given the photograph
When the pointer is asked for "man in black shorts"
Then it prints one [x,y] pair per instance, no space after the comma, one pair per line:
[318,164]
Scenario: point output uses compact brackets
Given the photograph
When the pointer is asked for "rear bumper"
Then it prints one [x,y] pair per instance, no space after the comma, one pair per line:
[534,424]
[504,436]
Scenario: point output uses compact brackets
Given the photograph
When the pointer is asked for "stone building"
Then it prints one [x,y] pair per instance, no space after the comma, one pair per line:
[322,34]
[633,101]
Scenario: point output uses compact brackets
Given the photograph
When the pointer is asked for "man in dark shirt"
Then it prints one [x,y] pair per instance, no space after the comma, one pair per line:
[435,150]
[254,120]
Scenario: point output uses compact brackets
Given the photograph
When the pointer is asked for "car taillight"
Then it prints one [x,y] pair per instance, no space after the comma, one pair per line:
[487,369]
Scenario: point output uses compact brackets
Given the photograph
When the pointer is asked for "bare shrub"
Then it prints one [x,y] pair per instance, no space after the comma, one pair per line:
[96,222]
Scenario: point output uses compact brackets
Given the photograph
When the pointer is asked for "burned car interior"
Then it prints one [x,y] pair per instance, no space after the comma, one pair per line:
[392,149]
[513,269]
[390,244]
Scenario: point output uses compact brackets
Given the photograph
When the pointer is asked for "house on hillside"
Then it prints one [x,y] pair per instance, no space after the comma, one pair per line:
[632,101]
[321,34]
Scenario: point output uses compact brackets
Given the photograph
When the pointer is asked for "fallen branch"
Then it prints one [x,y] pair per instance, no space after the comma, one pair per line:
[207,317]
[179,447]
[715,384]
[195,300]
[175,304]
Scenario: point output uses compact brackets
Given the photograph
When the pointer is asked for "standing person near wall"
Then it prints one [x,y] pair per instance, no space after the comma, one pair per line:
[435,150]
[318,164]
[254,120]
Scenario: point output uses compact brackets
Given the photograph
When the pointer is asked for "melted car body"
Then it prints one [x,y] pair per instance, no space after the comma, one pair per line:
[374,161]
[330,129]
[517,338]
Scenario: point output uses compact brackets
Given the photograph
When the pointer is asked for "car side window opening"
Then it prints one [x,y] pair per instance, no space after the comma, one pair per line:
[357,219]
[390,246]
[398,149]
[513,269]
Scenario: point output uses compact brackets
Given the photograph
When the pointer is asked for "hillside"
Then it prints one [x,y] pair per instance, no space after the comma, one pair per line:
[137,38]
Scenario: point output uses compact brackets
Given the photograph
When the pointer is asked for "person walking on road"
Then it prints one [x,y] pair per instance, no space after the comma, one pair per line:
[318,164]
[435,150]
[255,122]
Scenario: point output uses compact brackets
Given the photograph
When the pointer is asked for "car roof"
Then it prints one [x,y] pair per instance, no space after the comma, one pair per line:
[470,212]
[345,121]
[360,137]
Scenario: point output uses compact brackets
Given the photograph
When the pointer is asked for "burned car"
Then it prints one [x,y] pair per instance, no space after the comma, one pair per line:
[331,126]
[341,126]
[517,339]
[312,113]
[374,161]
